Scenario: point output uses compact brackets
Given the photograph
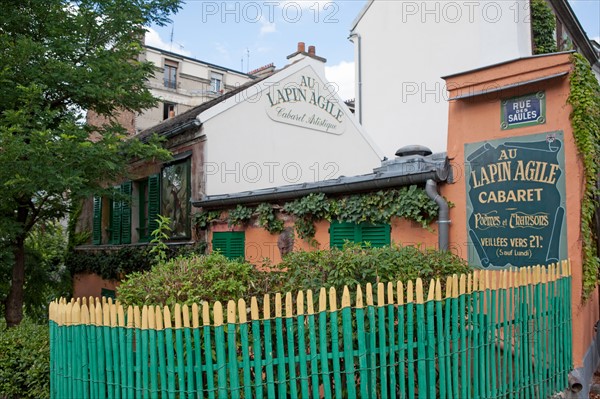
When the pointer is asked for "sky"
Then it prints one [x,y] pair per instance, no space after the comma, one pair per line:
[245,35]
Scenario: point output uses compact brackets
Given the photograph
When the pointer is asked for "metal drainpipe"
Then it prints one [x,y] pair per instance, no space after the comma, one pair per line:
[359,94]
[443,219]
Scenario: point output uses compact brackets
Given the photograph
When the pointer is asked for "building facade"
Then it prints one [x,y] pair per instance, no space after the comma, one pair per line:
[282,128]
[399,89]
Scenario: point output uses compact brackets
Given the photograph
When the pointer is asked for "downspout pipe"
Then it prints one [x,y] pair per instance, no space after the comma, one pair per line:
[359,77]
[443,215]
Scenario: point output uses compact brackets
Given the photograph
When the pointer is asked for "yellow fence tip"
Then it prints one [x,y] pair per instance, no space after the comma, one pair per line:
[345,297]
[289,308]
[218,314]
[390,293]
[322,300]
[254,313]
[231,312]
[242,311]
[159,318]
[185,312]
[310,303]
[206,314]
[332,299]
[410,295]
[177,316]
[278,305]
[369,294]
[266,307]
[121,316]
[195,315]
[400,293]
[431,293]
[419,291]
[300,303]
[76,313]
[359,297]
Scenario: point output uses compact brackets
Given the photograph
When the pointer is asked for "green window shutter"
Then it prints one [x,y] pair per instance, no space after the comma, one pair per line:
[97,221]
[115,226]
[377,234]
[153,202]
[231,243]
[126,214]
[340,232]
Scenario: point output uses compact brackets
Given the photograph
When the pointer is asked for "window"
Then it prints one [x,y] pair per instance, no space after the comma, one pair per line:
[97,221]
[175,197]
[230,243]
[168,110]
[216,81]
[119,228]
[378,235]
[148,206]
[170,77]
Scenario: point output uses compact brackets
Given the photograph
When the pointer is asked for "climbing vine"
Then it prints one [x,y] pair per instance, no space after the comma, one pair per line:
[267,219]
[410,203]
[585,121]
[240,215]
[543,25]
[204,219]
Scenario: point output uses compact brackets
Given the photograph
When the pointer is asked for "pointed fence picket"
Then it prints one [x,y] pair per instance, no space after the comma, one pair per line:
[493,334]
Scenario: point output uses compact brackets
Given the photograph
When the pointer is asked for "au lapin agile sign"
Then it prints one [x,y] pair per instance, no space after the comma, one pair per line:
[304,100]
[516,201]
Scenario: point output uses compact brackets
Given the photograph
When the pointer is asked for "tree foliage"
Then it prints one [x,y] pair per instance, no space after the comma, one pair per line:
[58,59]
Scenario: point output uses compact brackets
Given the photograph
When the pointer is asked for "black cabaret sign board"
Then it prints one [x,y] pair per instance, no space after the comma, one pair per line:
[516,201]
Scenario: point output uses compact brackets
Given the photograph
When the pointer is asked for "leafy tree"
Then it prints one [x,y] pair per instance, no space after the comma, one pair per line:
[58,59]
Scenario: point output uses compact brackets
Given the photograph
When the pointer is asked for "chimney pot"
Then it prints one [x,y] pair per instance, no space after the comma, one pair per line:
[311,50]
[301,47]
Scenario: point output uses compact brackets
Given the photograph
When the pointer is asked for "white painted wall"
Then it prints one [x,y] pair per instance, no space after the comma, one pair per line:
[408,46]
[249,148]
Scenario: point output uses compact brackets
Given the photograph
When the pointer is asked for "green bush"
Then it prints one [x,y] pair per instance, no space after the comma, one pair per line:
[355,264]
[192,279]
[24,361]
[112,265]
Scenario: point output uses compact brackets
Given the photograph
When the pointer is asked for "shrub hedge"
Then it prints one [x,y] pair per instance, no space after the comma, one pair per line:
[24,361]
[216,278]
[191,279]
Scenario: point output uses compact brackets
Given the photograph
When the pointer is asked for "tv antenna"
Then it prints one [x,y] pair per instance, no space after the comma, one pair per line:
[248,60]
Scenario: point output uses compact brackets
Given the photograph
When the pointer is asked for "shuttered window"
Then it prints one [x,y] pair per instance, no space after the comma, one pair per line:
[120,217]
[378,235]
[153,202]
[229,243]
[148,206]
[97,221]
[126,214]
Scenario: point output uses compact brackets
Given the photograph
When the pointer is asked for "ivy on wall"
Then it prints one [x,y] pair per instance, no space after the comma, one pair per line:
[410,203]
[585,121]
[543,26]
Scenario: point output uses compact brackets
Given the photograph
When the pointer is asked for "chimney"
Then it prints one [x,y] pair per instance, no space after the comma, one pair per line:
[301,53]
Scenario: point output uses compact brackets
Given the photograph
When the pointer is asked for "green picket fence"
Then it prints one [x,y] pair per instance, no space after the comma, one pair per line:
[504,334]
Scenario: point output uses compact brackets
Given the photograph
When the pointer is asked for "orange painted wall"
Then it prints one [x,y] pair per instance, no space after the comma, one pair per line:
[90,284]
[478,119]
[260,244]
